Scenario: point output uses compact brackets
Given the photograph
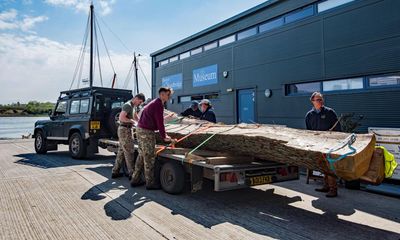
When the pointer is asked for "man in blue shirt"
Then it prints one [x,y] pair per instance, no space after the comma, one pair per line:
[206,111]
[322,118]
[193,110]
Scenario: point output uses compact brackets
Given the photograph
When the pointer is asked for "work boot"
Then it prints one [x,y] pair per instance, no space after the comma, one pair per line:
[332,193]
[137,184]
[332,187]
[325,188]
[153,187]
[116,175]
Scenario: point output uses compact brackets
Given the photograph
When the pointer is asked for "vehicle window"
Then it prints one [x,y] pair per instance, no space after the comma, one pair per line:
[74,107]
[61,108]
[116,104]
[84,106]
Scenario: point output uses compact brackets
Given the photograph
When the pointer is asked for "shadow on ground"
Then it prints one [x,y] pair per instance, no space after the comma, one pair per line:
[259,211]
[59,159]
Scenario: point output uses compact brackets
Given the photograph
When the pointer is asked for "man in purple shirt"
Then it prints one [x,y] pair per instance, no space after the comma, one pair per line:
[151,119]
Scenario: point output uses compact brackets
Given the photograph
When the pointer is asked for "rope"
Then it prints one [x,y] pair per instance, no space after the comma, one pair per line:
[83,47]
[209,138]
[98,54]
[105,46]
[347,142]
[183,138]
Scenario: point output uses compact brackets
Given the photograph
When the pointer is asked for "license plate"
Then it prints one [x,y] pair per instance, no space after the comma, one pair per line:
[95,125]
[260,180]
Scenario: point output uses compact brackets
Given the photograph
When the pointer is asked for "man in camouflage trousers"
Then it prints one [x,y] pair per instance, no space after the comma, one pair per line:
[127,119]
[151,119]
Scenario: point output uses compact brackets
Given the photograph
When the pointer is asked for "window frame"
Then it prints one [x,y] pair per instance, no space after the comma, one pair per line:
[224,38]
[281,18]
[79,106]
[196,50]
[184,55]
[331,8]
[246,31]
[301,93]
[209,44]
[344,90]
[312,7]
[368,85]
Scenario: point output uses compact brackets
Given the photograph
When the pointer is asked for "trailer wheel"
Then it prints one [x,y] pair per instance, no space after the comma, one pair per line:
[172,178]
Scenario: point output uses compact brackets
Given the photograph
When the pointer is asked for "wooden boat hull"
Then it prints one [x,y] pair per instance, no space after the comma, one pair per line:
[277,143]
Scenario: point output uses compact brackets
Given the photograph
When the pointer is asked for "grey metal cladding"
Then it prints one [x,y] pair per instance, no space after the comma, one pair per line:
[356,40]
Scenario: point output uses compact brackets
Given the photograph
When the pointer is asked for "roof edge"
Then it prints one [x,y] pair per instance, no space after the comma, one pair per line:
[217,26]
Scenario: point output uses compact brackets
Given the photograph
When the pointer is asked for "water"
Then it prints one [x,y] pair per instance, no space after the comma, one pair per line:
[15,127]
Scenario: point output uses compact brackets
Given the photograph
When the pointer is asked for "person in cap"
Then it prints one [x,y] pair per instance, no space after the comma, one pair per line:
[206,111]
[193,110]
[127,118]
[322,118]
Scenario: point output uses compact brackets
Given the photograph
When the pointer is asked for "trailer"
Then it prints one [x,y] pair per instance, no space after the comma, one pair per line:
[177,170]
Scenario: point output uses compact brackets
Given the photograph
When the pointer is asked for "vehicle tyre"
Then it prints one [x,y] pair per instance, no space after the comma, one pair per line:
[40,143]
[112,121]
[77,146]
[172,178]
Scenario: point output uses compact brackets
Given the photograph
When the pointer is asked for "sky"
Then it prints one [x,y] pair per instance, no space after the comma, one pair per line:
[40,40]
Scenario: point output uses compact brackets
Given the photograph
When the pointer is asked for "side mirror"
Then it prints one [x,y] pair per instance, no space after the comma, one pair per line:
[50,113]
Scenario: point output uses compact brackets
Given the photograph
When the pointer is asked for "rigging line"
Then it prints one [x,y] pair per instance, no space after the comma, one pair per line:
[105,46]
[128,77]
[98,54]
[115,35]
[141,70]
[81,68]
[83,45]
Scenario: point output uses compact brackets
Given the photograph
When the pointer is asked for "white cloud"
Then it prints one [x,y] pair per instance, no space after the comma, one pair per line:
[83,5]
[37,68]
[9,20]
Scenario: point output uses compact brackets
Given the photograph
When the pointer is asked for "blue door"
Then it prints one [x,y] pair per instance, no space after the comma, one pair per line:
[246,105]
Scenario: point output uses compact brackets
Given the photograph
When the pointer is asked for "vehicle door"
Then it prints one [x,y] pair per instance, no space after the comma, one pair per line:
[79,115]
[57,124]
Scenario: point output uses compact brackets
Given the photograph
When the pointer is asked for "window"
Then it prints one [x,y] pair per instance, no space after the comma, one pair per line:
[197,97]
[210,46]
[344,84]
[196,51]
[300,14]
[271,24]
[211,96]
[173,59]
[184,55]
[182,99]
[79,106]
[227,40]
[163,62]
[326,5]
[303,88]
[84,106]
[61,107]
[384,81]
[247,33]
[74,109]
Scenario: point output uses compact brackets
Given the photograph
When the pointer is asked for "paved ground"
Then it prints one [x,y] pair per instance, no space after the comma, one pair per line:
[55,197]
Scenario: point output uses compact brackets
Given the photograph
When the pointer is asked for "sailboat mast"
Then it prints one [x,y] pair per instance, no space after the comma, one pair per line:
[136,74]
[91,45]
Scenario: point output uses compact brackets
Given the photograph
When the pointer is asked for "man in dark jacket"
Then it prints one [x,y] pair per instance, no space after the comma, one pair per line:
[322,118]
[192,111]
[206,111]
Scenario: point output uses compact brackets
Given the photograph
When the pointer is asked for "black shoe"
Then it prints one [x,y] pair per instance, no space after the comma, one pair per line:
[323,189]
[137,184]
[116,175]
[153,187]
